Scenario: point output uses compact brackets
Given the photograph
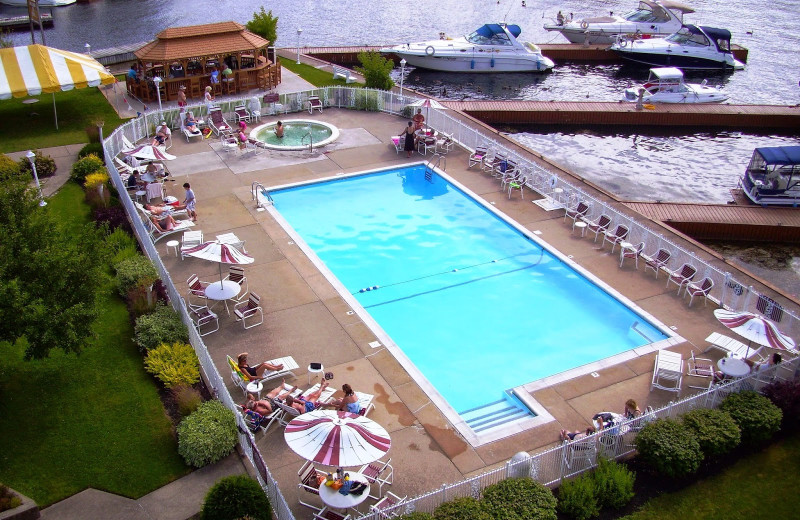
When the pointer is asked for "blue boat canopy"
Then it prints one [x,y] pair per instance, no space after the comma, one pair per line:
[780,155]
[490,29]
[714,33]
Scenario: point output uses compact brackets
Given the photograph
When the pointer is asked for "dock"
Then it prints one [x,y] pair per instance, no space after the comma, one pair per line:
[23,23]
[114,55]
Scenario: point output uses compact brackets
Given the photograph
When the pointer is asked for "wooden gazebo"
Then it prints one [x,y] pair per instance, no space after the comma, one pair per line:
[196,56]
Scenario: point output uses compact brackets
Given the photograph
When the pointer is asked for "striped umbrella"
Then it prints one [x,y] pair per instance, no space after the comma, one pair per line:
[337,438]
[217,252]
[755,329]
[148,152]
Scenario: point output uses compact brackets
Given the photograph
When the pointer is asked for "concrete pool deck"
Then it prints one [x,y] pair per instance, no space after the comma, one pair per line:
[306,318]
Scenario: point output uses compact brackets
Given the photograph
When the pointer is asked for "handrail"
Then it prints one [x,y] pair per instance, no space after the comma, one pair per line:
[438,160]
[254,192]
[310,140]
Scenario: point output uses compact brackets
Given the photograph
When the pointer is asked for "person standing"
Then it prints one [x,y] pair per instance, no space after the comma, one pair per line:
[190,201]
[279,130]
[408,133]
[419,120]
[182,96]
[209,98]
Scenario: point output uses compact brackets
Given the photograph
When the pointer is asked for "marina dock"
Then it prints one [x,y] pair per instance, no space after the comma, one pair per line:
[23,23]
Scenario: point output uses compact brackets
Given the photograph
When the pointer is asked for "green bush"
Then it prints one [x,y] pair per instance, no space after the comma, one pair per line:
[577,498]
[173,364]
[118,240]
[786,396]
[519,499]
[416,515]
[45,165]
[9,168]
[366,100]
[186,398]
[715,430]
[235,497]
[163,325]
[207,435]
[84,166]
[135,273]
[669,448]
[8,499]
[757,417]
[376,70]
[92,149]
[464,508]
[613,484]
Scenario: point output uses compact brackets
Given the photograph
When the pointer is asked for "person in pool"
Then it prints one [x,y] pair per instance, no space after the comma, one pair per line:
[256,372]
[279,130]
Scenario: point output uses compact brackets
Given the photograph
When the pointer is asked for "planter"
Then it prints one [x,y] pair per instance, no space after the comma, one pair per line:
[28,510]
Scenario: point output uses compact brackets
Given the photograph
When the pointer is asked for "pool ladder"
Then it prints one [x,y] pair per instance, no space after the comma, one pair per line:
[310,139]
[257,188]
[438,158]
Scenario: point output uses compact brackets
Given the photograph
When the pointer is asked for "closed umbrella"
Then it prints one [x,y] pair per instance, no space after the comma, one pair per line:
[427,104]
[148,152]
[337,438]
[31,70]
[221,253]
[755,329]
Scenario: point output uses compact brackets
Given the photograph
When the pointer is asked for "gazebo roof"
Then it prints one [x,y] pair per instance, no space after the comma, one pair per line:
[194,41]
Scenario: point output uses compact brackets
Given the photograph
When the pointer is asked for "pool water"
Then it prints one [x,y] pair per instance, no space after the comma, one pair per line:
[295,134]
[477,306]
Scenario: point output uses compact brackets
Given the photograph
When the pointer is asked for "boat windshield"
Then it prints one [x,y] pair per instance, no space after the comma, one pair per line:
[686,37]
[647,14]
[481,38]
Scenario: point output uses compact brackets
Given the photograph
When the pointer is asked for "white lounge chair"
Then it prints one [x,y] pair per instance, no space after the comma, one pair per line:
[668,372]
[188,133]
[157,233]
[700,367]
[241,379]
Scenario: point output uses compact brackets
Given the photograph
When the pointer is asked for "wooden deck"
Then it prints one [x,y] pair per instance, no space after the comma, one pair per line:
[725,221]
[23,23]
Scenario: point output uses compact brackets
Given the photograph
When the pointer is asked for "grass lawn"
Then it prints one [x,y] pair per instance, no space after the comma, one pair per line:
[758,486]
[315,76]
[94,420]
[32,126]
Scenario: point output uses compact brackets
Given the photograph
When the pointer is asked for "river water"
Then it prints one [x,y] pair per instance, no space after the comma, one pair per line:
[637,164]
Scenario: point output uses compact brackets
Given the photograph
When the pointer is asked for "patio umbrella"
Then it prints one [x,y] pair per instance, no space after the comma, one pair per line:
[427,104]
[221,253]
[31,70]
[755,329]
[337,438]
[148,152]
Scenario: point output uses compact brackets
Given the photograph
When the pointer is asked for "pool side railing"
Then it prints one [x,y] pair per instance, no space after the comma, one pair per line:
[727,292]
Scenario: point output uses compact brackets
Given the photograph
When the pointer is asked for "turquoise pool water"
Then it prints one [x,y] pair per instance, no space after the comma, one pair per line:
[477,306]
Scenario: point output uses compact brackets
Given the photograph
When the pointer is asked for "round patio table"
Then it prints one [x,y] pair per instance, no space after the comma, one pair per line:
[332,498]
[223,291]
[733,367]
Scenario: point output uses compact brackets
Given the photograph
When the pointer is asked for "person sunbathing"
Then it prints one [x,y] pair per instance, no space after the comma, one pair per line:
[349,403]
[160,210]
[256,372]
[166,223]
[310,402]
[264,406]
[190,123]
[577,434]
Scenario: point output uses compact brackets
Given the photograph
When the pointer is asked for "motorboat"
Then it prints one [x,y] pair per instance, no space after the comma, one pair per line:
[691,47]
[491,48]
[773,176]
[42,3]
[651,18]
[665,85]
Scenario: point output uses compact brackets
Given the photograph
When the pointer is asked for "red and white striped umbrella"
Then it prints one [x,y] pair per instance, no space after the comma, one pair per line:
[217,252]
[337,438]
[755,328]
[148,152]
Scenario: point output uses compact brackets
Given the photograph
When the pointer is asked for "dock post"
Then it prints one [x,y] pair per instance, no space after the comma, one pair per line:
[639,104]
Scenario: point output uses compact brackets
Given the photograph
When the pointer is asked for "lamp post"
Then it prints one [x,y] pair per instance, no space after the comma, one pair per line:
[299,32]
[88,49]
[157,81]
[32,158]
[402,74]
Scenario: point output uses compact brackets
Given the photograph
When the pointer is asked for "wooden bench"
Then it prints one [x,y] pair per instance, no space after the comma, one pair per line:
[345,74]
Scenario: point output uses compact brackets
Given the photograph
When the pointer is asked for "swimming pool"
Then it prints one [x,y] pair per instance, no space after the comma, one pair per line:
[478,306]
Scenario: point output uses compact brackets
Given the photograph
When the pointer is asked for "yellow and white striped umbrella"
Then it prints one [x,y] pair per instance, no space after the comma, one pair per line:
[35,69]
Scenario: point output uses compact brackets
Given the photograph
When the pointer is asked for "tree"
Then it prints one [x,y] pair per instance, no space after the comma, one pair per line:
[48,277]
[376,70]
[264,25]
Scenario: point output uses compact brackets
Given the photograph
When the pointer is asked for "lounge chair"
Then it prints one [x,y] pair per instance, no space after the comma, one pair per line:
[229,143]
[157,233]
[189,240]
[490,163]
[699,289]
[657,261]
[314,103]
[241,379]
[254,106]
[309,481]
[123,167]
[631,252]
[580,455]
[236,274]
[365,401]
[681,276]
[249,309]
[256,422]
[477,156]
[598,226]
[700,367]
[197,288]
[201,315]
[389,501]
[331,514]
[668,372]
[217,122]
[617,237]
[174,212]
[188,133]
[444,144]
[240,113]
[399,143]
[380,473]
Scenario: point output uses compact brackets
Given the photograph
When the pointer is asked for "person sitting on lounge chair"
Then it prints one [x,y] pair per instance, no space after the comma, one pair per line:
[160,210]
[349,403]
[310,402]
[264,406]
[190,123]
[257,371]
[162,132]
[577,434]
[632,410]
[165,224]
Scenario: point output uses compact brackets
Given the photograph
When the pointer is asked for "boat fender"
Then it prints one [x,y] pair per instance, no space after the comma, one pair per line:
[584,25]
[429,50]
[472,64]
[491,63]
[623,42]
[553,181]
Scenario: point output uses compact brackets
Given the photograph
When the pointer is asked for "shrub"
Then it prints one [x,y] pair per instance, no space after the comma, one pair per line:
[186,398]
[234,497]
[577,498]
[135,273]
[115,216]
[786,396]
[118,239]
[9,168]
[613,484]
[163,325]
[173,364]
[376,70]
[207,435]
[92,149]
[93,180]
[669,448]
[464,508]
[8,499]
[85,166]
[161,292]
[757,417]
[715,430]
[45,165]
[416,515]
[519,499]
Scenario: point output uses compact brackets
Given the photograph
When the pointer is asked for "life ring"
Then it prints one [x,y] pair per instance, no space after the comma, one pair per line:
[429,50]
[584,25]
[553,181]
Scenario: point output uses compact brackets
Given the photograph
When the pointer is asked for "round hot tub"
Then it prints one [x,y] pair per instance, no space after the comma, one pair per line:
[296,134]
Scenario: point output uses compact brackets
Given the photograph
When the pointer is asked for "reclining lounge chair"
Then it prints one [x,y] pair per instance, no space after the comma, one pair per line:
[217,122]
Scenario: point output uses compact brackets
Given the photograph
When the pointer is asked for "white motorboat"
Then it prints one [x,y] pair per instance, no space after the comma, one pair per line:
[650,18]
[773,176]
[691,47]
[42,3]
[665,85]
[491,48]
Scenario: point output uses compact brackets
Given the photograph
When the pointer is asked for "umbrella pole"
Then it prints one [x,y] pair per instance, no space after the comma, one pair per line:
[220,275]
[55,113]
